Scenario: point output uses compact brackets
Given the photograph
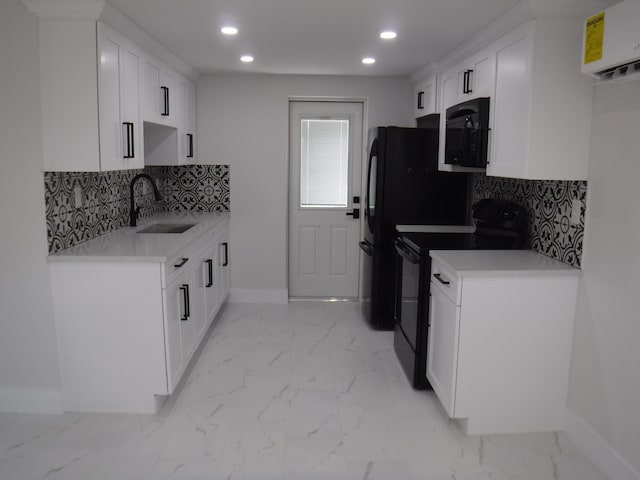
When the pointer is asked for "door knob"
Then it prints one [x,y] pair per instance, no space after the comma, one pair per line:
[355,213]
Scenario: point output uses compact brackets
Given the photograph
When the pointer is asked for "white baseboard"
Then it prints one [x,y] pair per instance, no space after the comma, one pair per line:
[596,449]
[30,401]
[273,296]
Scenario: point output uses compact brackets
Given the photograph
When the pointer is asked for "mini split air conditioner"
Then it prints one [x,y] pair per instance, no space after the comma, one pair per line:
[611,44]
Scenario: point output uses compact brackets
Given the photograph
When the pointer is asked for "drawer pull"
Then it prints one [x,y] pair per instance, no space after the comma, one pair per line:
[187,308]
[184,260]
[439,278]
[209,263]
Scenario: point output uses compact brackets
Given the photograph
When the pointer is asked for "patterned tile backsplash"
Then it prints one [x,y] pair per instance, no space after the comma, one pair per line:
[549,204]
[84,205]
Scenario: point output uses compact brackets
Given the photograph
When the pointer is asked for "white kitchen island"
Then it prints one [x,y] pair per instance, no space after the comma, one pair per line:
[500,338]
[132,308]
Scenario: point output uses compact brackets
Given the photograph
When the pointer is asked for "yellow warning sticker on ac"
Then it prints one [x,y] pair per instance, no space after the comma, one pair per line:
[594,38]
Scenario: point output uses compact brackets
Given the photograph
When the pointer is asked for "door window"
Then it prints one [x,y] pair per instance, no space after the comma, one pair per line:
[324,163]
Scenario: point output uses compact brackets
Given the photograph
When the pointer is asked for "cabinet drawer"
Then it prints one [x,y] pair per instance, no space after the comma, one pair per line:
[447,282]
[177,264]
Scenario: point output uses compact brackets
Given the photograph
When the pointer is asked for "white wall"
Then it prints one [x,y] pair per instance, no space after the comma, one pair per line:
[605,373]
[28,358]
[243,122]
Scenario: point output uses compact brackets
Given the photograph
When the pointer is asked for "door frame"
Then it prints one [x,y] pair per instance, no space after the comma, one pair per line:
[363,161]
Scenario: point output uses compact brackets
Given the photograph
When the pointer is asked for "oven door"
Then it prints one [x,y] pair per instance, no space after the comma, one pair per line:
[408,289]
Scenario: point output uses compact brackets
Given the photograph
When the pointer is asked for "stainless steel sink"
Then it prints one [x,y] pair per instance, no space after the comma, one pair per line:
[167,228]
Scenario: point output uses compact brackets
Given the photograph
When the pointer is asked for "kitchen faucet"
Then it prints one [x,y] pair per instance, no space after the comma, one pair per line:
[135,211]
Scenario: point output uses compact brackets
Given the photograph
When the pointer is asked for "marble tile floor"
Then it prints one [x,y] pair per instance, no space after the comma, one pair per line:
[301,391]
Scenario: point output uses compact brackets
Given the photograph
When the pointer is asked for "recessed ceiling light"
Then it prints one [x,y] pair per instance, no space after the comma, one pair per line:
[246,58]
[368,60]
[388,35]
[229,30]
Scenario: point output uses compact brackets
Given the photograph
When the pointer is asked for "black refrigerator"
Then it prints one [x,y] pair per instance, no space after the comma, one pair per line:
[404,187]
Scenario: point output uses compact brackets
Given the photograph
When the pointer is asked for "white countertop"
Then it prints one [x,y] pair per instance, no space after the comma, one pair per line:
[127,245]
[474,263]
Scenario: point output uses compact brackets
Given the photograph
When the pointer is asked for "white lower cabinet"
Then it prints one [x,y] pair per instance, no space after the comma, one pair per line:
[211,275]
[182,319]
[127,330]
[442,361]
[224,282]
[499,344]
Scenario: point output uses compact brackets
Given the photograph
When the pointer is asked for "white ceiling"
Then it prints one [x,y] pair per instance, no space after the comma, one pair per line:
[312,36]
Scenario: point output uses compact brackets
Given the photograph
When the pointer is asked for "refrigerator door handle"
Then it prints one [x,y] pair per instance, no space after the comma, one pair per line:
[372,154]
[366,247]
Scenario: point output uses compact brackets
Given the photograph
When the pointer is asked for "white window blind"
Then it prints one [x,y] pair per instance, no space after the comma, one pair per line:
[324,163]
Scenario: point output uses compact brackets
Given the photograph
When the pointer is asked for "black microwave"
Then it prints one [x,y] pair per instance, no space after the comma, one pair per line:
[467,133]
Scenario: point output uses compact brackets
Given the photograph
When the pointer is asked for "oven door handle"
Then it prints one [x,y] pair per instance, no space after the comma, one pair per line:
[367,248]
[406,252]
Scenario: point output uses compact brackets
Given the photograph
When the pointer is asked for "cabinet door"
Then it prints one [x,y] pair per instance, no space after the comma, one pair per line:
[191,304]
[482,74]
[151,93]
[224,279]
[110,76]
[425,98]
[511,105]
[181,307]
[449,90]
[210,271]
[198,300]
[133,144]
[448,98]
[187,125]
[442,357]
[175,314]
[119,102]
[191,121]
[160,92]
[168,101]
[463,84]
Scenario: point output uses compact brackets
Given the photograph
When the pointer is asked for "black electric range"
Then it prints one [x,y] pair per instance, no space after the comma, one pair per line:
[499,226]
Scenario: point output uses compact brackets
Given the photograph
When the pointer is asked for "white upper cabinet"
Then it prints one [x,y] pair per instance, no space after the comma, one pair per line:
[97,91]
[472,78]
[541,109]
[165,144]
[540,103]
[121,145]
[90,89]
[424,97]
[187,126]
[159,102]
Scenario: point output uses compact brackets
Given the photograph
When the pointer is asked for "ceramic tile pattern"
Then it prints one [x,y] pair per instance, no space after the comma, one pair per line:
[549,204]
[300,391]
[83,205]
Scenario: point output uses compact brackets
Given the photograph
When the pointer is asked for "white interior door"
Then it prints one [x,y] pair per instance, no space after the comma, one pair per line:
[325,157]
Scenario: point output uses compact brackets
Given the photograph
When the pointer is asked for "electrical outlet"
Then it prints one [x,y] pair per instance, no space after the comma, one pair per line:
[77,194]
[576,206]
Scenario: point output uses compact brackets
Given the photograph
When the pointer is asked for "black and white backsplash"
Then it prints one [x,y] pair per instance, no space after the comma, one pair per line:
[201,188]
[549,205]
[84,205]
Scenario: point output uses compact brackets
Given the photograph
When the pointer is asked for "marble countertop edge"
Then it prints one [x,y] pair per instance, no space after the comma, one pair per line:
[514,263]
[127,245]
